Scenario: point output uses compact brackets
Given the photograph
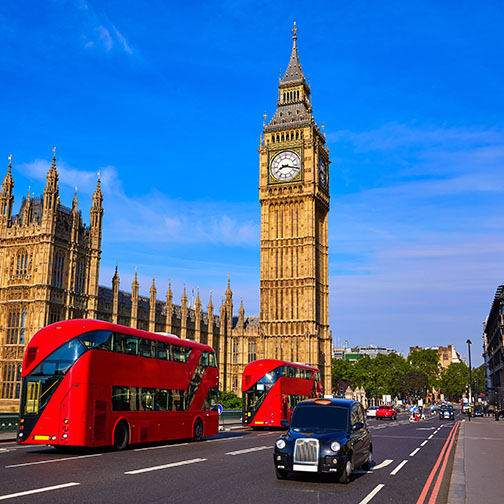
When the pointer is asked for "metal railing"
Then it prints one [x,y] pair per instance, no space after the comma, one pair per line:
[9,422]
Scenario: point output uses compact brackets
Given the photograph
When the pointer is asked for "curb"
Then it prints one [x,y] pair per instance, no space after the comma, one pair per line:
[456,494]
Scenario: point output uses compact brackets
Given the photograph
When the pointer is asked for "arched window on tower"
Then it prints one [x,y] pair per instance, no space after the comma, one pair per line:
[22,262]
[80,277]
[59,264]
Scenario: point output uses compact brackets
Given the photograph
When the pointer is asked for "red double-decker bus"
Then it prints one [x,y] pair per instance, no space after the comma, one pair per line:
[271,389]
[92,383]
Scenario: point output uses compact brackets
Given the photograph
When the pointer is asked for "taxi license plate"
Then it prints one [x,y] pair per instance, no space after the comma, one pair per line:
[305,468]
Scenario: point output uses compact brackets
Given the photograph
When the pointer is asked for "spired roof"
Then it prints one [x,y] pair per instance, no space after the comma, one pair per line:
[294,72]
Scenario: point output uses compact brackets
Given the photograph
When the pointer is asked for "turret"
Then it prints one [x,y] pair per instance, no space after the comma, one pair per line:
[115,302]
[6,196]
[169,308]
[51,196]
[152,305]
[134,301]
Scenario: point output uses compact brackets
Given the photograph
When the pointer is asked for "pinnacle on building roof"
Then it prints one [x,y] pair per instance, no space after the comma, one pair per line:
[97,195]
[241,310]
[74,202]
[294,72]
[8,182]
[52,174]
[153,286]
[116,275]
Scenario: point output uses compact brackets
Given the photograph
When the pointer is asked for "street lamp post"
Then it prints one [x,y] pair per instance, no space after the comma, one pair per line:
[470,379]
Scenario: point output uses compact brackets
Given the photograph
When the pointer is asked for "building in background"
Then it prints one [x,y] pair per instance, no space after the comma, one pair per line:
[493,349]
[447,355]
[356,353]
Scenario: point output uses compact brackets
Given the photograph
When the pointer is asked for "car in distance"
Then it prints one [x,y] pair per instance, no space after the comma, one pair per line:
[371,411]
[478,412]
[447,413]
[386,412]
[324,436]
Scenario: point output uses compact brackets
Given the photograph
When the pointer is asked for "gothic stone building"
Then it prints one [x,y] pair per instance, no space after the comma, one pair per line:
[49,271]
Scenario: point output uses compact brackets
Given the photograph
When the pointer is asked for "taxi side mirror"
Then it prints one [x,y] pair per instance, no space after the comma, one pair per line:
[357,426]
[284,423]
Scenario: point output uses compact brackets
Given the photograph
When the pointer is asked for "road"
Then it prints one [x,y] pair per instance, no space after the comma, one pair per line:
[233,467]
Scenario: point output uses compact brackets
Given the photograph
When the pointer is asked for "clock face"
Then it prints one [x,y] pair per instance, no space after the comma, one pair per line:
[285,166]
[322,172]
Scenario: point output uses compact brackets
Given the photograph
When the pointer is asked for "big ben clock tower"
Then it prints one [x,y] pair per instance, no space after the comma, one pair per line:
[294,197]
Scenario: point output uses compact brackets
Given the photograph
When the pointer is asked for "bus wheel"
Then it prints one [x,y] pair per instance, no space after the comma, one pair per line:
[121,436]
[198,430]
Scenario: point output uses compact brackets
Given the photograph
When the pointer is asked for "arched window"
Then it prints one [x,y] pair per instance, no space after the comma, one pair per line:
[80,277]
[16,326]
[22,262]
[59,264]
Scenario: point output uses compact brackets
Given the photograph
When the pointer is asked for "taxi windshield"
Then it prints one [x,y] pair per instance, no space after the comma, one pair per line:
[320,417]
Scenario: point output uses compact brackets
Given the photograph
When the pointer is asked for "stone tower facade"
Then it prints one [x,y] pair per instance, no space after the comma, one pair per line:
[49,269]
[294,197]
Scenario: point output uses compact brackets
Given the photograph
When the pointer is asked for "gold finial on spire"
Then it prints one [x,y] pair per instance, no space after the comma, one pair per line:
[294,32]
[99,174]
[10,160]
[54,151]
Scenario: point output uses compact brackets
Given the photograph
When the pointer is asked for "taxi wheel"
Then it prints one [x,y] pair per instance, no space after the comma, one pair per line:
[347,471]
[369,462]
[281,474]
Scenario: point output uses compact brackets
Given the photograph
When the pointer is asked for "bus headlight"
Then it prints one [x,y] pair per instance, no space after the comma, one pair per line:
[335,446]
[280,444]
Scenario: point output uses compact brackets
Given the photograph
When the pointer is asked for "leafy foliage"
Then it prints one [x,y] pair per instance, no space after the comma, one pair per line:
[229,400]
[454,380]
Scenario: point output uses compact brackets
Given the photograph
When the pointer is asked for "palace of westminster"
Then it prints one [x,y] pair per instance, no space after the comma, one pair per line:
[50,262]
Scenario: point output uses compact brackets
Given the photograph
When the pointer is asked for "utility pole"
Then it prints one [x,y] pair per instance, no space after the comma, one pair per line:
[470,380]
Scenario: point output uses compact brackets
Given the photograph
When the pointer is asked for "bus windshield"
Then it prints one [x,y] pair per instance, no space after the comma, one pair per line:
[45,378]
[255,396]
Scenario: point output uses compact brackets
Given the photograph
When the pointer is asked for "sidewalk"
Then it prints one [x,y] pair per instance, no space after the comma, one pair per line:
[7,436]
[478,469]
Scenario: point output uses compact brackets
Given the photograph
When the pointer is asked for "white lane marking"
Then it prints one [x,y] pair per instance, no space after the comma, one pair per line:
[37,490]
[223,439]
[267,434]
[249,450]
[431,436]
[414,452]
[371,494]
[385,463]
[398,468]
[165,466]
[426,428]
[158,447]
[424,443]
[53,460]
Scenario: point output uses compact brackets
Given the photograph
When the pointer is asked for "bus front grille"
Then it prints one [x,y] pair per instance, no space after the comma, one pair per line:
[306,451]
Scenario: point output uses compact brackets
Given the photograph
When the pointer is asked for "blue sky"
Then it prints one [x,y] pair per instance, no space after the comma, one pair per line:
[167,99]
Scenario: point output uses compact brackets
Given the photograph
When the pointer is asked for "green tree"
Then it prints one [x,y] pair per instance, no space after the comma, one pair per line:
[414,384]
[427,362]
[454,380]
[340,371]
[478,376]
[229,400]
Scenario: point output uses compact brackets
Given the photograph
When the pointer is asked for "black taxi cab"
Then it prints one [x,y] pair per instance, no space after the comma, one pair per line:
[325,436]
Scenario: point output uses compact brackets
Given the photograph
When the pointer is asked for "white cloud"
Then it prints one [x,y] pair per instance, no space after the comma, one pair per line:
[101,32]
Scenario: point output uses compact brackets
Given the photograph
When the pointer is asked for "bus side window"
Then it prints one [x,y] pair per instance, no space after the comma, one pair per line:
[162,351]
[146,399]
[123,398]
[119,343]
[147,348]
[211,360]
[131,346]
[161,400]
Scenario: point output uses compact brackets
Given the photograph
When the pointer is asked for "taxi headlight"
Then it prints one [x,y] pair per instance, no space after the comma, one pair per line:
[335,446]
[280,444]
